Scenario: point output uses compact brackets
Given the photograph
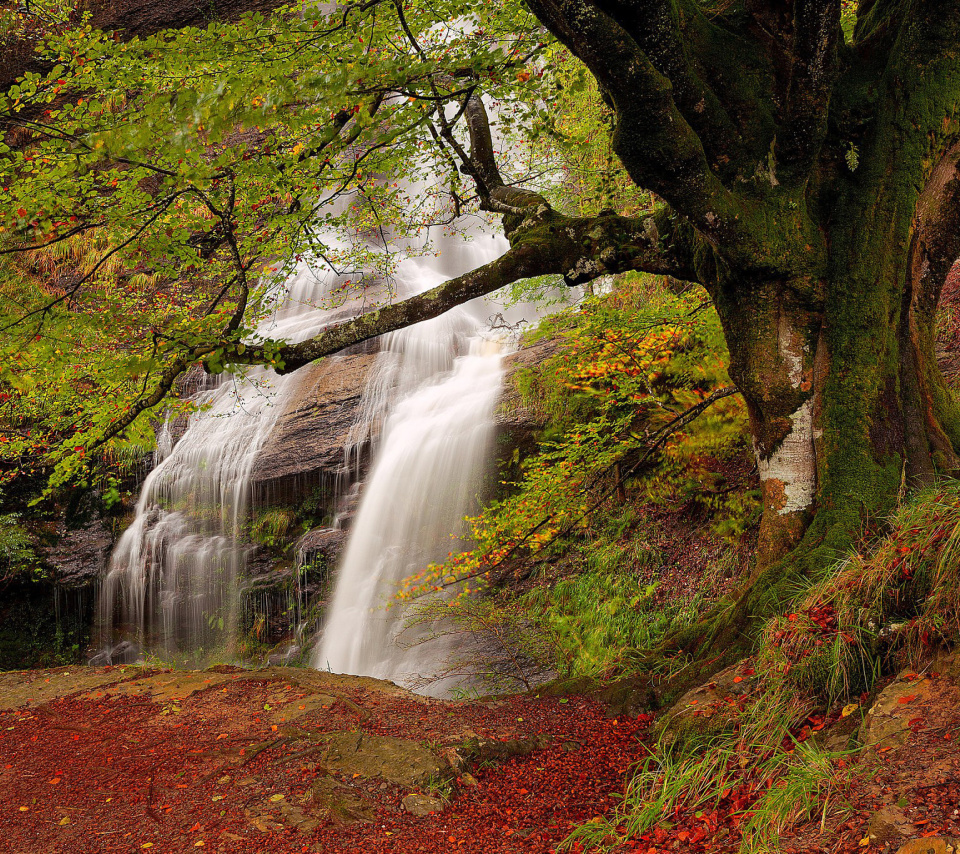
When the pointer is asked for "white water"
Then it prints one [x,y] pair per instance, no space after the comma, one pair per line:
[172,585]
[426,478]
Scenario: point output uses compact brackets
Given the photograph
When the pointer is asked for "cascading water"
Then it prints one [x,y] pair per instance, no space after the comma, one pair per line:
[172,585]
[425,479]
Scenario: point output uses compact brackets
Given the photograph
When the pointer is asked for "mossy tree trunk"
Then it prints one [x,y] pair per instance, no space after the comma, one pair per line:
[814,185]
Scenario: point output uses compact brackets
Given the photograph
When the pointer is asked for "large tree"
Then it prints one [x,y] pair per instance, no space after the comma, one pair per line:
[803,157]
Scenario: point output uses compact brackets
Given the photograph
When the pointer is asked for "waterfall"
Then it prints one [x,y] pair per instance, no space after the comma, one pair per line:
[172,585]
[425,479]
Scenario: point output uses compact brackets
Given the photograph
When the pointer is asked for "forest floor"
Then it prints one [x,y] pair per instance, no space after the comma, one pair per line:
[126,759]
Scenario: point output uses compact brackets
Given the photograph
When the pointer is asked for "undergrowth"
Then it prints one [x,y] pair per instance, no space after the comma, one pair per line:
[882,607]
[889,604]
[756,777]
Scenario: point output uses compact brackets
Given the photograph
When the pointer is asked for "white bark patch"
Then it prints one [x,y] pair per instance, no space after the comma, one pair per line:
[791,351]
[793,464]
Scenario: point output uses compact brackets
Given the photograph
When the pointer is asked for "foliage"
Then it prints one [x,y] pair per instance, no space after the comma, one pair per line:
[573,141]
[16,549]
[271,526]
[631,362]
[888,603]
[153,190]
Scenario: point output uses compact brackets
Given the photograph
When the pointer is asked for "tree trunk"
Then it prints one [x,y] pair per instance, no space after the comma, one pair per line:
[848,408]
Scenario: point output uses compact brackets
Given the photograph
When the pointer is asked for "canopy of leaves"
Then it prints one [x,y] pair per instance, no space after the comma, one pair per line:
[153,190]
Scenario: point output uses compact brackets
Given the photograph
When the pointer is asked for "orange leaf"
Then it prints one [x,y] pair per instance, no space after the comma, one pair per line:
[908,699]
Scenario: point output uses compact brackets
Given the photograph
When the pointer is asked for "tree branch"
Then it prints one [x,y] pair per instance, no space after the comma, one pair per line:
[658,147]
[579,249]
[655,25]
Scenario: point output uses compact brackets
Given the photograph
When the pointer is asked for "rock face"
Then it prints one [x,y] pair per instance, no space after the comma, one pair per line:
[518,423]
[305,449]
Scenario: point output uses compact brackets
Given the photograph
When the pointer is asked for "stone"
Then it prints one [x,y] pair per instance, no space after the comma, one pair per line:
[518,424]
[889,823]
[304,451]
[321,547]
[80,555]
[886,722]
[398,760]
[711,707]
[417,804]
[930,845]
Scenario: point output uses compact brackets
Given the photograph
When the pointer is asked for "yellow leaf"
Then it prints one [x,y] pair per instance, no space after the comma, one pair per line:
[276,798]
[849,710]
[64,821]
[863,843]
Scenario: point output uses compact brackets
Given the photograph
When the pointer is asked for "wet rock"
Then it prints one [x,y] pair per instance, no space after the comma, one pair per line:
[513,411]
[81,554]
[889,823]
[398,760]
[887,721]
[421,805]
[321,548]
[124,652]
[304,452]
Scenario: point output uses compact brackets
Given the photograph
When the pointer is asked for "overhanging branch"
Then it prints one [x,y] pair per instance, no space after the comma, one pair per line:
[579,249]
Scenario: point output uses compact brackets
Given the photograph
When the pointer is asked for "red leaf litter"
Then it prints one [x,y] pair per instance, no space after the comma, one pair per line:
[145,762]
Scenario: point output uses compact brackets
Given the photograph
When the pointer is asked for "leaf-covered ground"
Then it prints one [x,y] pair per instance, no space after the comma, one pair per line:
[224,761]
[129,760]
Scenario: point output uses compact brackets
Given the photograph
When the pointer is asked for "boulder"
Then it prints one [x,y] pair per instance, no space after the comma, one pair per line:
[321,548]
[305,450]
[518,423]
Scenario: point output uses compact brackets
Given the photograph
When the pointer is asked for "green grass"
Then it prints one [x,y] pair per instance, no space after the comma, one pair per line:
[779,782]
